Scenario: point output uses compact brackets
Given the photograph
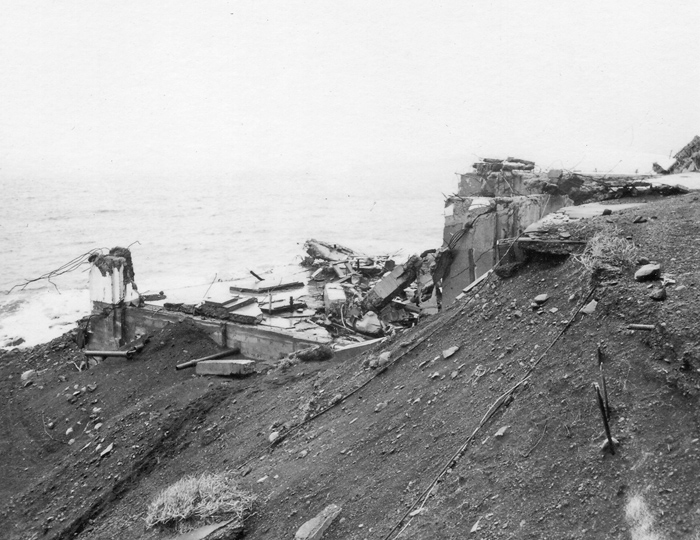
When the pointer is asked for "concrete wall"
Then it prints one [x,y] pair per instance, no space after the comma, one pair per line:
[488,220]
[122,324]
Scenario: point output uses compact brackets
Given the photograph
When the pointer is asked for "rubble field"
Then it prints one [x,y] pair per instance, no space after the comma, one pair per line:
[481,421]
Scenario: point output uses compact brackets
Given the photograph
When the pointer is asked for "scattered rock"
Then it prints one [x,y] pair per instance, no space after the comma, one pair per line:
[314,354]
[639,219]
[273,436]
[476,527]
[69,431]
[605,445]
[107,450]
[541,299]
[336,398]
[553,310]
[589,308]
[501,432]
[315,527]
[642,261]
[607,212]
[449,352]
[658,294]
[648,272]
[381,406]
[28,376]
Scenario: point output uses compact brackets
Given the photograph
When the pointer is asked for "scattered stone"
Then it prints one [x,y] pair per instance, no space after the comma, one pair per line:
[589,308]
[50,425]
[476,527]
[658,294]
[435,375]
[449,352]
[381,406]
[107,450]
[303,453]
[69,431]
[564,235]
[642,261]
[541,299]
[261,480]
[336,398]
[454,374]
[92,387]
[71,442]
[501,432]
[648,272]
[317,353]
[517,313]
[640,219]
[606,444]
[273,436]
[315,527]
[607,212]
[553,310]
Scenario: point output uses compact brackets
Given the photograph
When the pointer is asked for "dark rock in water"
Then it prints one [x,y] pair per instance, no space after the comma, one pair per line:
[15,342]
[648,272]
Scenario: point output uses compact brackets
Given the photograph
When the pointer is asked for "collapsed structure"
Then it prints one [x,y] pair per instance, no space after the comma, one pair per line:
[349,299]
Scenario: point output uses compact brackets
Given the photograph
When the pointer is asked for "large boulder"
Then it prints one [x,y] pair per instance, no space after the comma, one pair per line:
[648,272]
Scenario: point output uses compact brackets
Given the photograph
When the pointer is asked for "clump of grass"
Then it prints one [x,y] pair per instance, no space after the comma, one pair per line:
[608,252]
[199,499]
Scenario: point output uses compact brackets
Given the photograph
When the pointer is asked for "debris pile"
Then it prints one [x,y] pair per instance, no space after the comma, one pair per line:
[372,296]
[497,177]
[687,160]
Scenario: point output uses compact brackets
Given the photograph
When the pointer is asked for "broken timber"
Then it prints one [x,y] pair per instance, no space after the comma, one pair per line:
[221,354]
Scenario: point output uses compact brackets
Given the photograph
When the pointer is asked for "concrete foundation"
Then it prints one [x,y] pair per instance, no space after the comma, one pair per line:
[113,326]
[473,226]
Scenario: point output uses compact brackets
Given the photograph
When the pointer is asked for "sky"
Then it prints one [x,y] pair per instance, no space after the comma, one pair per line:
[132,89]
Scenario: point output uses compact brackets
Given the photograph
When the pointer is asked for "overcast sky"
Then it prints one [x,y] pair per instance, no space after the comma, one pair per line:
[136,88]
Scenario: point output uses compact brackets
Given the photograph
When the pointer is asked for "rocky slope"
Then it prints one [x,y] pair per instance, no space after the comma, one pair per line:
[501,439]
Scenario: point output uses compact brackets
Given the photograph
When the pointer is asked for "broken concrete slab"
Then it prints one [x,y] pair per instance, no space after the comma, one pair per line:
[315,527]
[333,298]
[392,284]
[225,368]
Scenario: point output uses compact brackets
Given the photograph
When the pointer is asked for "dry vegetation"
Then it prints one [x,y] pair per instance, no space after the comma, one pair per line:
[199,499]
[608,251]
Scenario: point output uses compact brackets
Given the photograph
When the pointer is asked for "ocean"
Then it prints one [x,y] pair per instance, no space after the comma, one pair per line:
[192,232]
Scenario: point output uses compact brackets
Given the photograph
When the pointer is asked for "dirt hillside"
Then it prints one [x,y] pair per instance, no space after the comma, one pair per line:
[505,434]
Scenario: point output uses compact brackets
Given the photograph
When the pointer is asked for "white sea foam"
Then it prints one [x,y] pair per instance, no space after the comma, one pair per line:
[42,316]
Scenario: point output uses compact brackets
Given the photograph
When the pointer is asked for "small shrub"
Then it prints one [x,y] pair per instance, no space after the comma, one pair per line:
[608,252]
[199,498]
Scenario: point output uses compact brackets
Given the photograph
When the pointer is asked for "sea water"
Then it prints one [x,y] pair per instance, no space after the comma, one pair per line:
[191,232]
